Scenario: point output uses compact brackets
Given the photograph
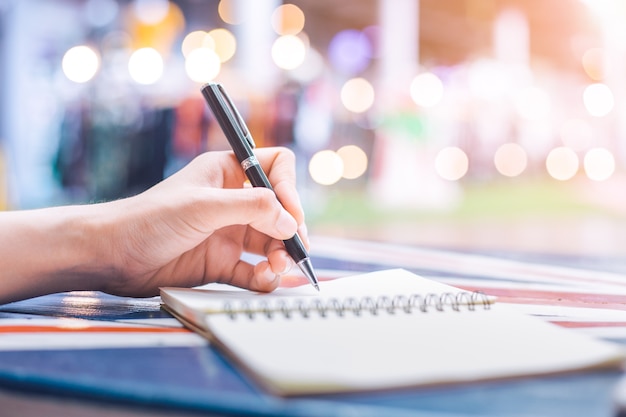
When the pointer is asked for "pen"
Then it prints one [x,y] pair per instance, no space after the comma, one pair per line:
[241,141]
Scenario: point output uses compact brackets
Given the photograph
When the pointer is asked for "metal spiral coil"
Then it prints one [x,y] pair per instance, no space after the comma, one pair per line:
[358,306]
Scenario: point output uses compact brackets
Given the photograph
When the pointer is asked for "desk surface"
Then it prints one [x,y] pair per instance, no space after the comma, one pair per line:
[86,353]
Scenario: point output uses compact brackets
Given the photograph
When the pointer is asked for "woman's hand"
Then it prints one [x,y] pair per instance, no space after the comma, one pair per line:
[188,230]
[193,227]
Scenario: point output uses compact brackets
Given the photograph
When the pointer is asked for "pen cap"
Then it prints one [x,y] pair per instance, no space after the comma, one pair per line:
[229,119]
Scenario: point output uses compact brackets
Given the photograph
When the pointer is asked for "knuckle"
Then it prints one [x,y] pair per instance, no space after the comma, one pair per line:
[265,200]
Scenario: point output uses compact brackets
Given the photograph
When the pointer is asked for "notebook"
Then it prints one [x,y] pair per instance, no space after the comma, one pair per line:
[377,331]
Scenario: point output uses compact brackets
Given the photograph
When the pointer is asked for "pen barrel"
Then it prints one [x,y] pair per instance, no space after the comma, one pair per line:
[295,248]
[257,177]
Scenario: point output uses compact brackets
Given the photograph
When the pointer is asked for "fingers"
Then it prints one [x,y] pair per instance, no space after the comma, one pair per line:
[208,196]
[221,170]
[264,276]
[279,165]
[256,207]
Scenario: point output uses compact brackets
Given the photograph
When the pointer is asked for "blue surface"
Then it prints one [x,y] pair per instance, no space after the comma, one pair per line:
[200,378]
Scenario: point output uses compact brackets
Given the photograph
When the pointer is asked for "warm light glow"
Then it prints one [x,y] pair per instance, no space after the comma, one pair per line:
[606,9]
[145,66]
[151,12]
[426,90]
[202,65]
[598,99]
[533,104]
[510,159]
[576,134]
[354,161]
[357,95]
[562,163]
[288,52]
[80,64]
[195,40]
[326,167]
[288,19]
[451,163]
[592,62]
[599,164]
[227,9]
[225,43]
[311,68]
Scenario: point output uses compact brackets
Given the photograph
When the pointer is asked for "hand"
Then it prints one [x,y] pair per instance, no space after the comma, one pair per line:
[193,227]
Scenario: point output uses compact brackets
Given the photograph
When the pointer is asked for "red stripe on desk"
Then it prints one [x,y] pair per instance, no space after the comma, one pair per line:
[102,329]
[588,324]
[568,299]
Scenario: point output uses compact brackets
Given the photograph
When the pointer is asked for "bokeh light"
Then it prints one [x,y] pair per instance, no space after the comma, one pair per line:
[80,64]
[326,167]
[350,51]
[227,10]
[592,63]
[357,95]
[599,164]
[312,68]
[451,163]
[373,35]
[145,66]
[288,52]
[194,40]
[510,160]
[576,134]
[533,103]
[598,99]
[202,65]
[562,163]
[426,90]
[151,12]
[225,43]
[288,19]
[354,161]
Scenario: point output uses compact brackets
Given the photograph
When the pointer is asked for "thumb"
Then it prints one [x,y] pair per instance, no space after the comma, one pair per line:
[257,207]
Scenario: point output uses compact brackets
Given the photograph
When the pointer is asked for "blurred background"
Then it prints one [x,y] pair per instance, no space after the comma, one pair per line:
[472,124]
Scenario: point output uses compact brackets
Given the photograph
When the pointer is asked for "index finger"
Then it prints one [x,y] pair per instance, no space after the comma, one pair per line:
[280,166]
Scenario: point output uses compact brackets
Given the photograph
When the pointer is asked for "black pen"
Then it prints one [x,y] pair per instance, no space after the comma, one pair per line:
[242,143]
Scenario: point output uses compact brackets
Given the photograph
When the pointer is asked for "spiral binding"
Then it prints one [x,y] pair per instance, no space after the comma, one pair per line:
[358,306]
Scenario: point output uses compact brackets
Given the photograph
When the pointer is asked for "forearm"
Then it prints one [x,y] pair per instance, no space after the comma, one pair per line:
[52,250]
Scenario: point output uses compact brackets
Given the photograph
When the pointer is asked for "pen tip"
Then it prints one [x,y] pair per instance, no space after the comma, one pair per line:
[307,269]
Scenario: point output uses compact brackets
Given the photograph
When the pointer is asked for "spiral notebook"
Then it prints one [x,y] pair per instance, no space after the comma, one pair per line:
[382,330]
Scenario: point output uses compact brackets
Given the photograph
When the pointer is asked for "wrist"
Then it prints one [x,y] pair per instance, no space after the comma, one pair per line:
[87,238]
[79,248]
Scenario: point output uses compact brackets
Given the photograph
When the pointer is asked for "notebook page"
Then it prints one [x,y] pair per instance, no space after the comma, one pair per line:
[333,354]
[306,352]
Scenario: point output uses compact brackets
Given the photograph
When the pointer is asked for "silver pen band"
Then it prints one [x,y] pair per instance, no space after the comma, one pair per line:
[249,162]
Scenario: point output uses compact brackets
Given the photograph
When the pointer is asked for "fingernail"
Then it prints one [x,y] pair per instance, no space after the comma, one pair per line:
[304,234]
[288,265]
[269,276]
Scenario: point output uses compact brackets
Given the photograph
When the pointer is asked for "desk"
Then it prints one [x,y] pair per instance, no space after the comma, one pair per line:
[89,353]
